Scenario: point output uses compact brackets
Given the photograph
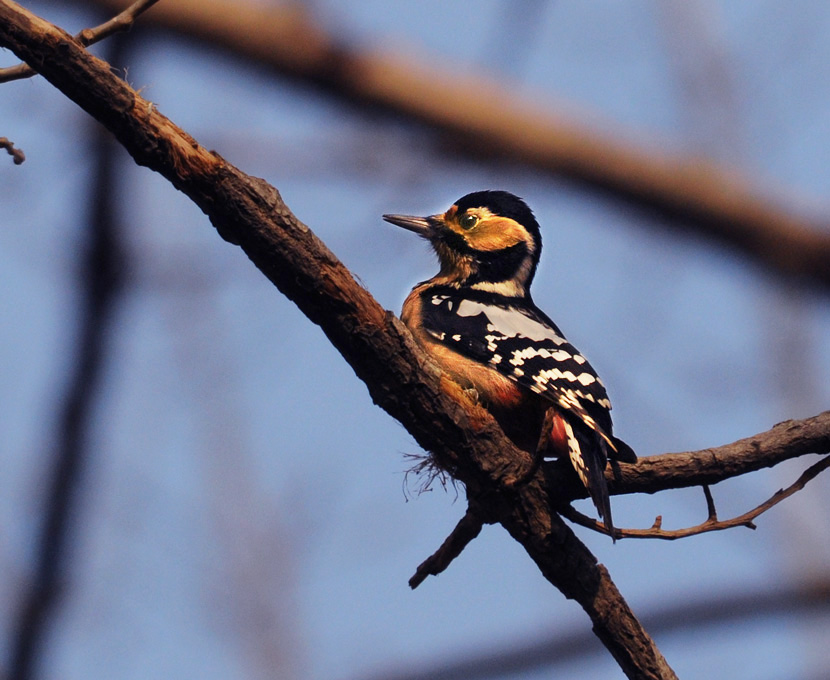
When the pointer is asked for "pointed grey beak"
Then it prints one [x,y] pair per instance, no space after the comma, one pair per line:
[420,225]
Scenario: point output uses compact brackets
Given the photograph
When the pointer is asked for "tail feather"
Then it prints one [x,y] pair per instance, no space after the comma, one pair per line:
[589,459]
[622,451]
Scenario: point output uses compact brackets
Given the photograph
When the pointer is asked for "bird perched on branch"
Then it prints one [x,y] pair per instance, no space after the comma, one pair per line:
[477,320]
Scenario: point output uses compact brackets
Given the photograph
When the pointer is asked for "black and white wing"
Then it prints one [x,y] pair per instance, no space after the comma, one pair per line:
[524,345]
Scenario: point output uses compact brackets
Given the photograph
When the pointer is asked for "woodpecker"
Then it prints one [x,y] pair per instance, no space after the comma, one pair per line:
[477,320]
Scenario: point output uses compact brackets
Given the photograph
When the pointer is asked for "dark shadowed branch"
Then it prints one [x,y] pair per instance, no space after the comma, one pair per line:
[785,441]
[467,529]
[652,474]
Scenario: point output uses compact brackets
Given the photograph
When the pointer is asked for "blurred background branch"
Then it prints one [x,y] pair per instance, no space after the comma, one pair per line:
[547,652]
[479,117]
[101,276]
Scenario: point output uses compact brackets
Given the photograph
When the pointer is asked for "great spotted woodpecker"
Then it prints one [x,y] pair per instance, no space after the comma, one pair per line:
[477,320]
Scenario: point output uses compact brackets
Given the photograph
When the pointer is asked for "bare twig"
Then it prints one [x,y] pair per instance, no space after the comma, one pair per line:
[712,522]
[89,36]
[16,154]
[465,531]
[710,504]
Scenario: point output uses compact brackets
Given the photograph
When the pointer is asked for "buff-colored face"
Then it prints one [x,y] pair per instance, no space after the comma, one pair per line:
[487,232]
[478,248]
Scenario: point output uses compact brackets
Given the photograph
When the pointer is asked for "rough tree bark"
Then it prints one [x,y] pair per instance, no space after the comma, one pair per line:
[462,436]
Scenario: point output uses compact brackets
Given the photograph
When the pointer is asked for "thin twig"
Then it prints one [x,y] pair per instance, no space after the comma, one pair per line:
[712,523]
[710,504]
[87,37]
[16,154]
[465,531]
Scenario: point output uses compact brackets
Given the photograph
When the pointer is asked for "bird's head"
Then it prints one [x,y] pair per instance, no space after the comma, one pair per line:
[487,240]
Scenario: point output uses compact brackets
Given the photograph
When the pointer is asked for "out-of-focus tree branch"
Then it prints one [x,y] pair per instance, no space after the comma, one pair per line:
[476,116]
[101,275]
[515,658]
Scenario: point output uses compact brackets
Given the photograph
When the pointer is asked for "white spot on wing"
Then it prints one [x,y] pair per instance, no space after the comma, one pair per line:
[509,323]
[586,379]
[543,377]
[522,355]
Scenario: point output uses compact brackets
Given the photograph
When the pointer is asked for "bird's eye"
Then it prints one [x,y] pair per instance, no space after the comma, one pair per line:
[467,221]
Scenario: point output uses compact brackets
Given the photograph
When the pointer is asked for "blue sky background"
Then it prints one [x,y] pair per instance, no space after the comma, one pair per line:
[244,513]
